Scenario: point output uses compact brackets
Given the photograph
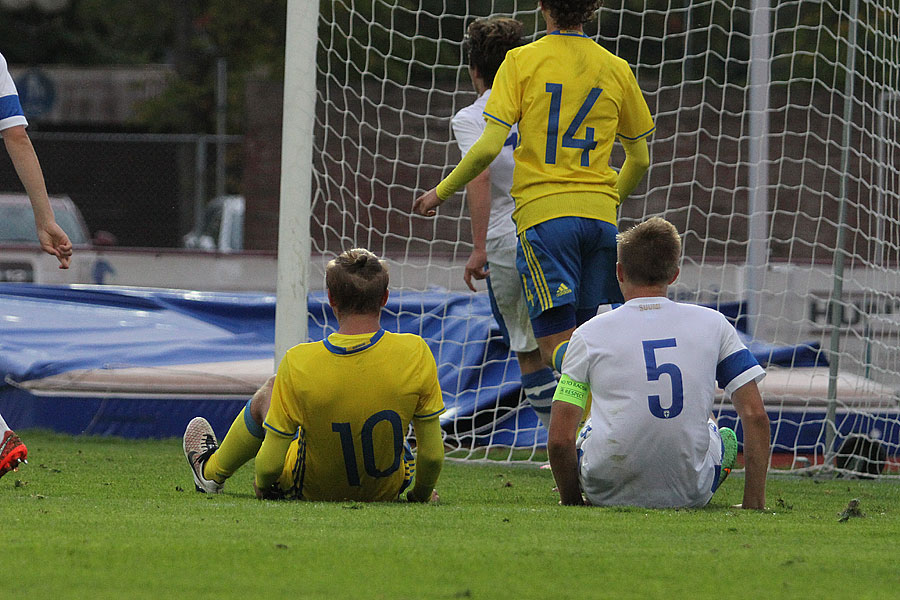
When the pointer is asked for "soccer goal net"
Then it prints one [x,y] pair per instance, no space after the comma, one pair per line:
[776,155]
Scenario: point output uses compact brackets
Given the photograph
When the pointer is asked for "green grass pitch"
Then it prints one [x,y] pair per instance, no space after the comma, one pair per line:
[111,518]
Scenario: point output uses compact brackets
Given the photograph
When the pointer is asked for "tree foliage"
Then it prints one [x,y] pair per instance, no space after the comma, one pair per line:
[190,35]
[409,40]
[711,38]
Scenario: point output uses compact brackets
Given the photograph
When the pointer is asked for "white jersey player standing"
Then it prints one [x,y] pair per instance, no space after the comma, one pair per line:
[651,367]
[494,241]
[52,238]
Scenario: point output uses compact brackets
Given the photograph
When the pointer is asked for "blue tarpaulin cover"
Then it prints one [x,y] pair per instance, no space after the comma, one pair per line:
[49,330]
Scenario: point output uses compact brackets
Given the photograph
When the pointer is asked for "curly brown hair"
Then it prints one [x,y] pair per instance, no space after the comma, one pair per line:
[357,280]
[487,42]
[571,13]
[650,252]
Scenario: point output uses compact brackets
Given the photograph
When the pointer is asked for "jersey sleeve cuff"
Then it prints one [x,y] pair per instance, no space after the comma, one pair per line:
[277,431]
[12,122]
[633,139]
[488,115]
[756,374]
[430,415]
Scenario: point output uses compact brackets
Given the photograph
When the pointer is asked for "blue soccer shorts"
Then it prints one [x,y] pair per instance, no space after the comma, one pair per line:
[567,262]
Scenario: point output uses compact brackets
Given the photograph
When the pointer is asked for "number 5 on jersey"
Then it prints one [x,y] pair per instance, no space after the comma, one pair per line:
[654,371]
[587,143]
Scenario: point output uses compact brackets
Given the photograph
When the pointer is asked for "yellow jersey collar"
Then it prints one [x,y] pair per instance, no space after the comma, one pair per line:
[335,349]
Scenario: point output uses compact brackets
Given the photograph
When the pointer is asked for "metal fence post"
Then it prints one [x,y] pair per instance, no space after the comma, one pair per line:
[199,179]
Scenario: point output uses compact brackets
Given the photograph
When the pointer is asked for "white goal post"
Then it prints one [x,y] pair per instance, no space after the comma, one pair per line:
[296,176]
[776,155]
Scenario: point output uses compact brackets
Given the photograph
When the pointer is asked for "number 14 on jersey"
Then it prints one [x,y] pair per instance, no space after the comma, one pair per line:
[585,144]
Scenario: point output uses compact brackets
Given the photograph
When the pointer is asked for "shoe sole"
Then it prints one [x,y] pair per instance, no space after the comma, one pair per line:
[197,422]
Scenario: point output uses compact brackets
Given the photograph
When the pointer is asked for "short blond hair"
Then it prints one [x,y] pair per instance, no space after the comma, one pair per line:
[650,252]
[357,280]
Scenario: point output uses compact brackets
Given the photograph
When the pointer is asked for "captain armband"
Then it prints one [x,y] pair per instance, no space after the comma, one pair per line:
[571,391]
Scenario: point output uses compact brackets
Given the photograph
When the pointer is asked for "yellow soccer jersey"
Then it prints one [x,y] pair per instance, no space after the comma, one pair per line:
[352,398]
[570,98]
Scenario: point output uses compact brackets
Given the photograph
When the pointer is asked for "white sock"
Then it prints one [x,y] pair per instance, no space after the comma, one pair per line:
[539,388]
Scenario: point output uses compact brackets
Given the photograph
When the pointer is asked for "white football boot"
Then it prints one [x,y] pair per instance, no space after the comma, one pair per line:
[199,444]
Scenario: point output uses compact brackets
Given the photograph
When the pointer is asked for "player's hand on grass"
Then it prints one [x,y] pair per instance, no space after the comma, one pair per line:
[426,204]
[583,502]
[55,241]
[741,506]
[411,497]
[476,268]
[270,493]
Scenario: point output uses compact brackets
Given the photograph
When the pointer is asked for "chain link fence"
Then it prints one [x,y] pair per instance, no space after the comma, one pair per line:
[147,190]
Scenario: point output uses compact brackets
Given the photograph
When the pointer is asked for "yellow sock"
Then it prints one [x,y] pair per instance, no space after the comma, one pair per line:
[558,354]
[240,445]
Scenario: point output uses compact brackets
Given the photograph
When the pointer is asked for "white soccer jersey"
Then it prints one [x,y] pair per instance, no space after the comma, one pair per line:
[10,109]
[652,366]
[468,125]
[500,241]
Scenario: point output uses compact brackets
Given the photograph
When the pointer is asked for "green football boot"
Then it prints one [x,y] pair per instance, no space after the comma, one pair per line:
[729,454]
